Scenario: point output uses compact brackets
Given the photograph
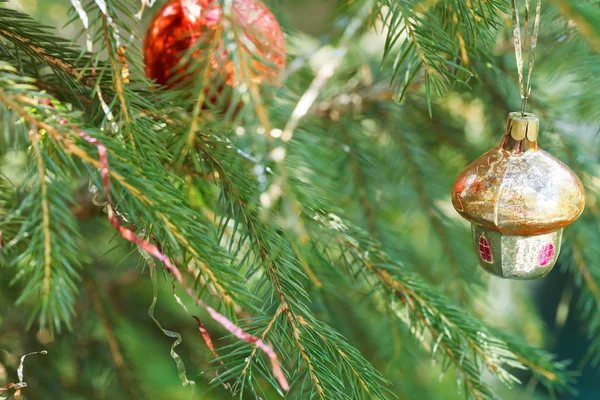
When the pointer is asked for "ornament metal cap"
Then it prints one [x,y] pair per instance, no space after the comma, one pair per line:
[518,198]
[522,126]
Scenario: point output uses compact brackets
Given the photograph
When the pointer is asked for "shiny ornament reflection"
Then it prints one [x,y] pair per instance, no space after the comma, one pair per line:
[518,198]
[179,24]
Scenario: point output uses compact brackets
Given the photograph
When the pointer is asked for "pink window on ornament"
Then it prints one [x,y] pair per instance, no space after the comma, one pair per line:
[546,254]
[485,251]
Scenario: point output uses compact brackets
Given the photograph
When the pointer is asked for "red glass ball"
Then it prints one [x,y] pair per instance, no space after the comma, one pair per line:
[178,24]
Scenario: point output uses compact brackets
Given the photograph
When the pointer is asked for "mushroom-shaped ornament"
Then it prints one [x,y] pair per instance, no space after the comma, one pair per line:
[518,199]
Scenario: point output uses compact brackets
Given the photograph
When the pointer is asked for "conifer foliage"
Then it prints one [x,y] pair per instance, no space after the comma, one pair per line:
[291,241]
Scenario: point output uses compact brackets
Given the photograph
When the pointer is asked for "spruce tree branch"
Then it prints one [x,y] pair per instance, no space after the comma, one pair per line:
[584,25]
[34,138]
[426,203]
[11,101]
[585,271]
[472,11]
[488,347]
[113,344]
[341,353]
[260,110]
[429,71]
[419,304]
[71,147]
[410,298]
[263,337]
[305,103]
[293,322]
[360,183]
[402,292]
[153,250]
[551,376]
[209,273]
[117,79]
[204,81]
[55,62]
[292,319]
[309,272]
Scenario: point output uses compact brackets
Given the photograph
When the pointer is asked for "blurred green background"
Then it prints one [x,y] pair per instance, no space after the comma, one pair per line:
[116,293]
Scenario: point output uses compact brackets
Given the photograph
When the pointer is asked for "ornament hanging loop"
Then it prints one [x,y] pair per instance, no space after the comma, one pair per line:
[530,42]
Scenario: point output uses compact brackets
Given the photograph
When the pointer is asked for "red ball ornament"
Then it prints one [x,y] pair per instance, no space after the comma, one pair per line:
[178,24]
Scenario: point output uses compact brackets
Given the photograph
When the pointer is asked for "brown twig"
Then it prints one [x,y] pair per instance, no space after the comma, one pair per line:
[34,137]
[263,336]
[585,272]
[117,79]
[551,376]
[53,61]
[111,339]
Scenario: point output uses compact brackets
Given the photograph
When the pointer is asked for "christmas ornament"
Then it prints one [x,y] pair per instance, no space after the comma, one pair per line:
[518,197]
[178,24]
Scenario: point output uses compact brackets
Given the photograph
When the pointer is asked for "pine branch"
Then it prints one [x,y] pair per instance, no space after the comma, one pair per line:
[131,129]
[360,183]
[40,52]
[449,327]
[50,274]
[117,78]
[111,339]
[469,370]
[587,18]
[16,100]
[429,209]
[450,324]
[34,137]
[263,336]
[429,37]
[294,321]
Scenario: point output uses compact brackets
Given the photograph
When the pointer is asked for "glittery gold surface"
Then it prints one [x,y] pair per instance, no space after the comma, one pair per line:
[518,189]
